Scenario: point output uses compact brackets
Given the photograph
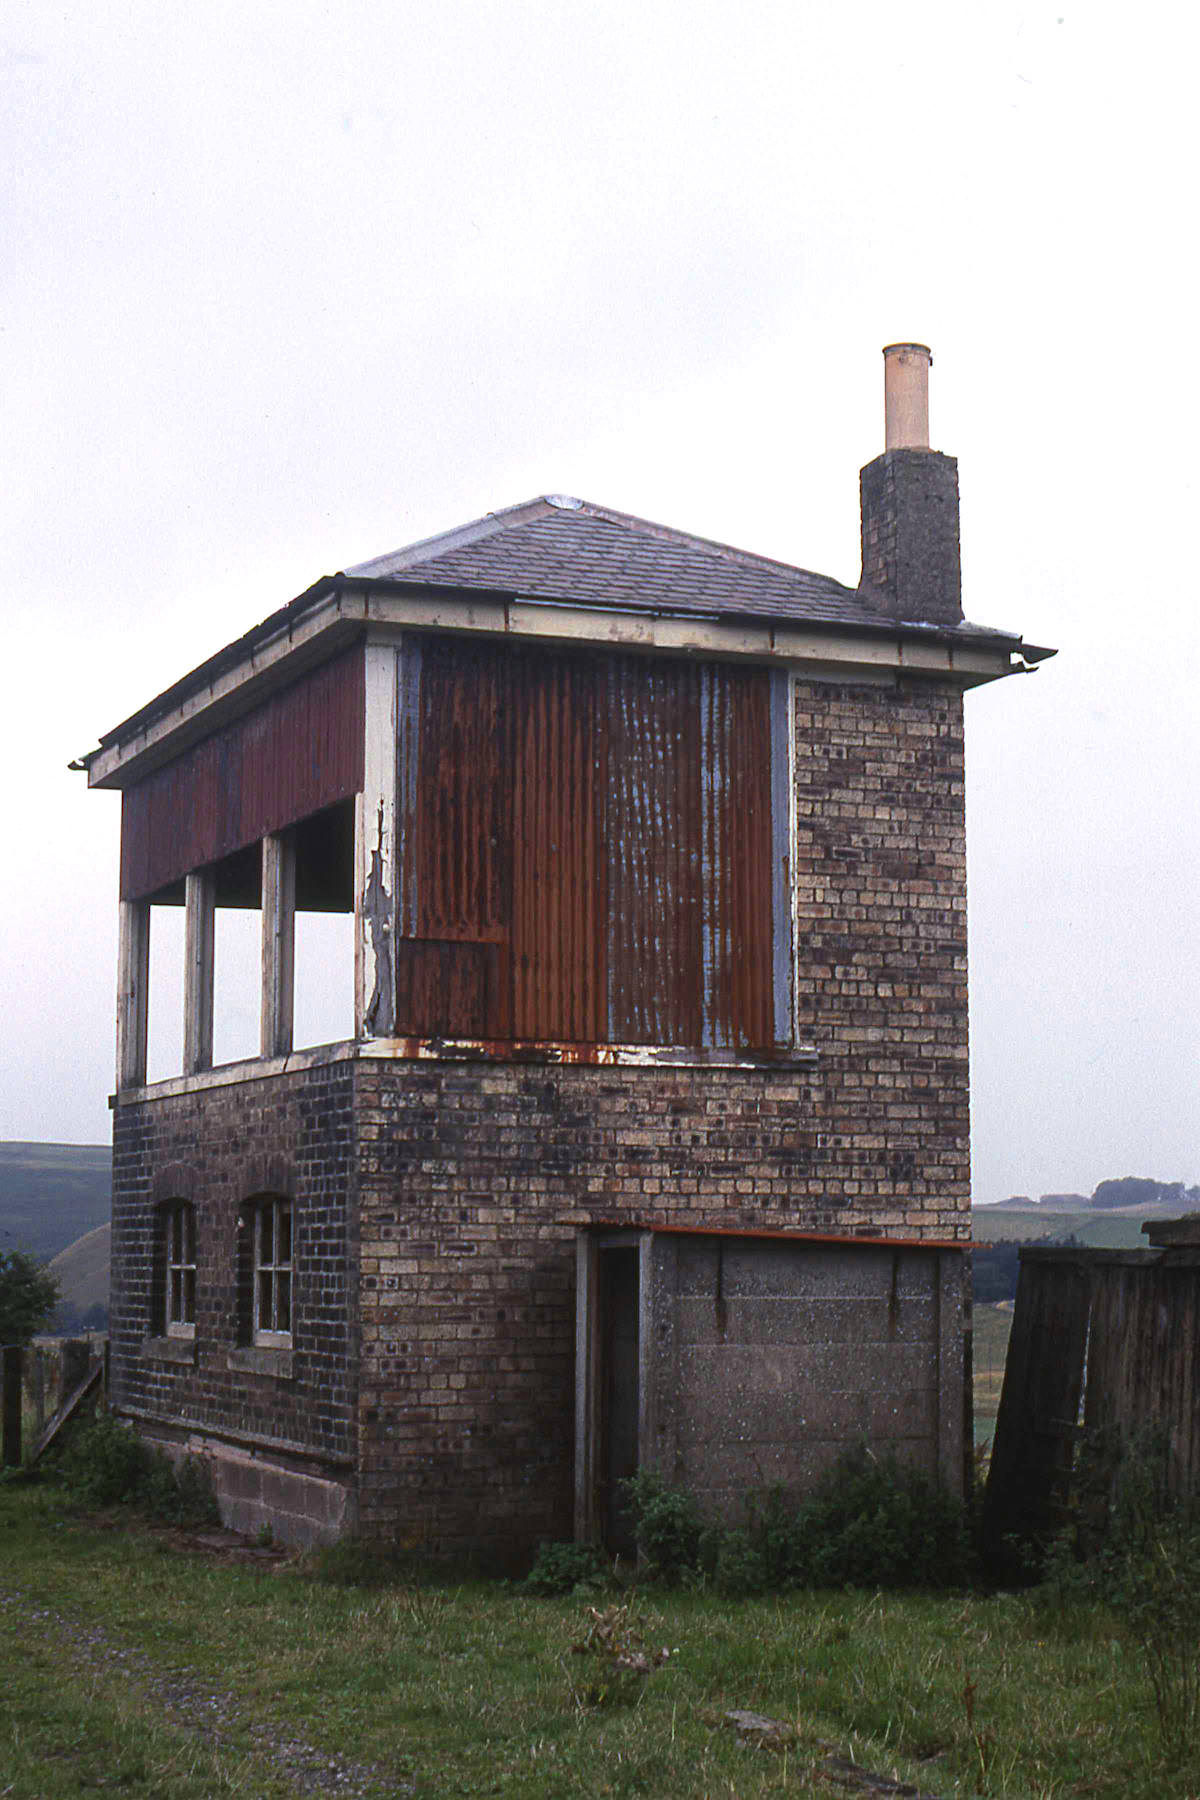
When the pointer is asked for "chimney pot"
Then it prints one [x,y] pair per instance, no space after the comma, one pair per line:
[906,396]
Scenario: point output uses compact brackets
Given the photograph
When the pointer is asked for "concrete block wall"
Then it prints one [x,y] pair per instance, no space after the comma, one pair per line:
[769,1357]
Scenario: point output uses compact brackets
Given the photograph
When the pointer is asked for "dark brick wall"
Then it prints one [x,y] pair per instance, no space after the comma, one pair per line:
[910,541]
[291,1134]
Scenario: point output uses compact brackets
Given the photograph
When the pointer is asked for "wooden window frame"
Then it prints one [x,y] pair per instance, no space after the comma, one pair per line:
[274,1222]
[179,1283]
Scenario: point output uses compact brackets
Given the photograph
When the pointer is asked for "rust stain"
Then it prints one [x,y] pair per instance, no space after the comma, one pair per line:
[586,849]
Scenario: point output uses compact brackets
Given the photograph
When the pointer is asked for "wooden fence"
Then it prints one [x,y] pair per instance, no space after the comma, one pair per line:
[41,1386]
[1100,1339]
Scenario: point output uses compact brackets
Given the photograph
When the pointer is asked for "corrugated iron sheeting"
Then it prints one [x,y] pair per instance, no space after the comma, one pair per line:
[557,936]
[603,825]
[299,751]
[655,884]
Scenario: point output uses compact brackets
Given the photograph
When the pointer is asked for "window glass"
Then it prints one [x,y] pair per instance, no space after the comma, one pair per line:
[273,1272]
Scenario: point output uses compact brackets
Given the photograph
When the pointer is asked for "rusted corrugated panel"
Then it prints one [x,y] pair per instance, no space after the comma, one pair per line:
[604,823]
[653,828]
[299,751]
[558,940]
[739,1003]
[456,827]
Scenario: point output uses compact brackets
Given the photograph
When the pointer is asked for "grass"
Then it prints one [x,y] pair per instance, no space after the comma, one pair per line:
[471,1689]
[1117,1230]
[992,1326]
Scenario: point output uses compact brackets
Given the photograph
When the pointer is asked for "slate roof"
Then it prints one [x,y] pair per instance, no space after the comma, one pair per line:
[566,550]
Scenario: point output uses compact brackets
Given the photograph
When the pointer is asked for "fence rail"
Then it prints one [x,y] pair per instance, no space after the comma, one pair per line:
[1101,1340]
[42,1385]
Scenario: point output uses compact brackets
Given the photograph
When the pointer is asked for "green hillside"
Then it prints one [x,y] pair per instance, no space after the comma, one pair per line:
[1112,1230]
[52,1194]
[82,1270]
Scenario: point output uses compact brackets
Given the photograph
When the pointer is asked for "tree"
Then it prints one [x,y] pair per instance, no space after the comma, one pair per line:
[28,1295]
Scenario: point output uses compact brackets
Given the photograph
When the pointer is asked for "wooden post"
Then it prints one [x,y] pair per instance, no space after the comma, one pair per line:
[10,1447]
[375,853]
[200,900]
[133,985]
[278,944]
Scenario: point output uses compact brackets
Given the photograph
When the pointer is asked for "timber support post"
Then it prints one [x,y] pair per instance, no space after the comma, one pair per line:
[10,1449]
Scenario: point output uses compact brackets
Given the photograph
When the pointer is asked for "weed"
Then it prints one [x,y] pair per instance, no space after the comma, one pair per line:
[351,1562]
[567,1569]
[871,1522]
[106,1463]
[1135,1548]
[670,1532]
[619,1663]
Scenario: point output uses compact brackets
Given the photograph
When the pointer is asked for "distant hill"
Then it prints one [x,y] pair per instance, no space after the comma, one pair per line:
[1103,1230]
[82,1270]
[52,1194]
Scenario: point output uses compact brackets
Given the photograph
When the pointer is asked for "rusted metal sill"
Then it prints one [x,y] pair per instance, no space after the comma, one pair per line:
[459,1050]
[847,1239]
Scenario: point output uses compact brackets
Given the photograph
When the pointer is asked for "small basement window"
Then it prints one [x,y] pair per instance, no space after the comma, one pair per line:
[273,1273]
[180,1297]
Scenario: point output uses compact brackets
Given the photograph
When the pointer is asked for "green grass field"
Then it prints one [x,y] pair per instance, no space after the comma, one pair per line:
[127,1665]
[1103,1230]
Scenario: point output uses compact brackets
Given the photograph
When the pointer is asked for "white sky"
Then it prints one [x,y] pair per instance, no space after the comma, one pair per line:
[286,286]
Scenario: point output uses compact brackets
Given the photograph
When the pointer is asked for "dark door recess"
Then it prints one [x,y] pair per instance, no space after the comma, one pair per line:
[619,1294]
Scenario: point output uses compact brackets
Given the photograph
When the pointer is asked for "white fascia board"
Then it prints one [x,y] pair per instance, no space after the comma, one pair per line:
[271,664]
[822,654]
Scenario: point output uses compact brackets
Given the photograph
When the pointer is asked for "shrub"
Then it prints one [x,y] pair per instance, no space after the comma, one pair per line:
[107,1464]
[871,1522]
[670,1531]
[567,1569]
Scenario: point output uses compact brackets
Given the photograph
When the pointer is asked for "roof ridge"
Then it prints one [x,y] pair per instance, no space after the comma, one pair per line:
[545,506]
[727,552]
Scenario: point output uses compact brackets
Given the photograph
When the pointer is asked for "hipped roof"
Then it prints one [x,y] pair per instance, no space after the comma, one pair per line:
[560,551]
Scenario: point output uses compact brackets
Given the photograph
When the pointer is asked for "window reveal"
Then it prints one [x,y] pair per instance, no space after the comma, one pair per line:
[589,848]
[273,1272]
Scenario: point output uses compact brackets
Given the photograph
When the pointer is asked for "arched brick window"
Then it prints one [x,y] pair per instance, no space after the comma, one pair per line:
[175,1298]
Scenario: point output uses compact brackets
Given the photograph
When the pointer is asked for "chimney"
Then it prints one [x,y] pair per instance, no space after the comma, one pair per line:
[909,495]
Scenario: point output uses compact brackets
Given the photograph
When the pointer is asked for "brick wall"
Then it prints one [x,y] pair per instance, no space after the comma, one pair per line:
[882,966]
[472,1177]
[290,1135]
[456,1187]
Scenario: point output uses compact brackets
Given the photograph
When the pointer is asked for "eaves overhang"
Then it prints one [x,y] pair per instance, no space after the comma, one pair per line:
[339,608]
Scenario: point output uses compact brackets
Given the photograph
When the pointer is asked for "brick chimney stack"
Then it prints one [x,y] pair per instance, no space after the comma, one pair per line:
[909,495]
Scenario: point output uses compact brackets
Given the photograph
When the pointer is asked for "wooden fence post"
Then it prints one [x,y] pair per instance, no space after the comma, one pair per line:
[10,1449]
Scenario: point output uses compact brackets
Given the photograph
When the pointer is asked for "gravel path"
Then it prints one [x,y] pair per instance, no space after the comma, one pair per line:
[212,1714]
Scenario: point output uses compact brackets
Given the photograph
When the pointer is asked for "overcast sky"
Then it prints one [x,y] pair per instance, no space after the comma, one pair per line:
[286,286]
